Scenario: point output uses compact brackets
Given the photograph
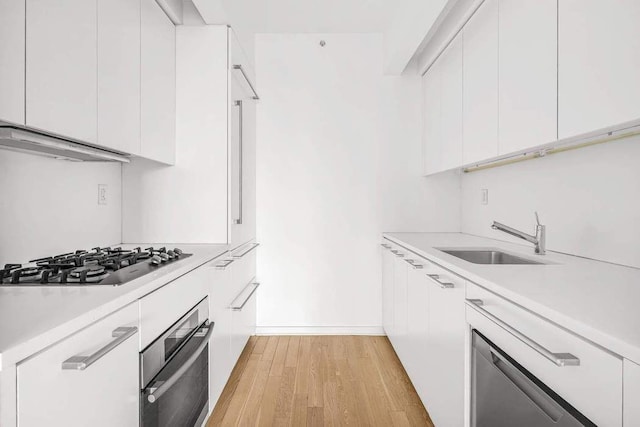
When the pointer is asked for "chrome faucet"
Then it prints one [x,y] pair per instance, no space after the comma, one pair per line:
[539,240]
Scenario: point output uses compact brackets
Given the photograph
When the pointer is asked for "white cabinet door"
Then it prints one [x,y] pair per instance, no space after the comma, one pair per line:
[242,135]
[418,328]
[157,84]
[119,75]
[599,64]
[527,74]
[399,336]
[61,67]
[631,393]
[220,295]
[480,82]
[387,290]
[451,105]
[103,394]
[12,60]
[431,119]
[445,361]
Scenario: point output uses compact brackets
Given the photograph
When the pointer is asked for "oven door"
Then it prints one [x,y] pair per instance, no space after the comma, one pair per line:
[175,373]
[504,394]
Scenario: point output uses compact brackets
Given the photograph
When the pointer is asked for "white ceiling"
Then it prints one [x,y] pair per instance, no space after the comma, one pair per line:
[314,16]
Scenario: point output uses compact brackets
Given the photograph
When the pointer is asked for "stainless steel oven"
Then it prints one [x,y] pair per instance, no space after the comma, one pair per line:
[505,394]
[174,373]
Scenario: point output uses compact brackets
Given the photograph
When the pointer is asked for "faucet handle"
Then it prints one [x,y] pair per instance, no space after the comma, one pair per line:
[537,218]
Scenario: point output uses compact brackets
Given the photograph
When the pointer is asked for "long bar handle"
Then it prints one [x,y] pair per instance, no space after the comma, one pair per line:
[443,285]
[240,161]
[397,253]
[80,363]
[558,359]
[253,246]
[156,392]
[384,245]
[222,265]
[241,306]
[413,264]
[239,67]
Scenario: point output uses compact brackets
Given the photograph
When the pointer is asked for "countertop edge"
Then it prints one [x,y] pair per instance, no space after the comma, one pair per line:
[601,339]
[38,343]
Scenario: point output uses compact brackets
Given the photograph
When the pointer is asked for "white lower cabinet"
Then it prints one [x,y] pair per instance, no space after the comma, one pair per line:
[232,307]
[428,333]
[387,289]
[104,393]
[631,393]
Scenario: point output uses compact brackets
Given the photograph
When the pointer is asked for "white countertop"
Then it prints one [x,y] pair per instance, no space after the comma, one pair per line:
[596,300]
[34,317]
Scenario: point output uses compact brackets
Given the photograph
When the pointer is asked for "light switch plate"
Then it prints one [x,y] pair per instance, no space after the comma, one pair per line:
[484,196]
[102,194]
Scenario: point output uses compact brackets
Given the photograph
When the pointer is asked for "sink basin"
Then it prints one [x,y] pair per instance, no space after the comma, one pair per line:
[488,256]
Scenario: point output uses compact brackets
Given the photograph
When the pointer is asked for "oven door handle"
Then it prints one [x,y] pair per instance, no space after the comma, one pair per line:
[154,393]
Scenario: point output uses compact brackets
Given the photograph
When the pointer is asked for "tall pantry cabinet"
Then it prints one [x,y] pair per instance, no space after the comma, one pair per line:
[209,195]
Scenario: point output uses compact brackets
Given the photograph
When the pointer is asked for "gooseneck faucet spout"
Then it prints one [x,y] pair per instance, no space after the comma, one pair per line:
[539,240]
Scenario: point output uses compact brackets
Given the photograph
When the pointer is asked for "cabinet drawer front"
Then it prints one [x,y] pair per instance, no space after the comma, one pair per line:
[437,275]
[163,307]
[594,387]
[244,267]
[103,394]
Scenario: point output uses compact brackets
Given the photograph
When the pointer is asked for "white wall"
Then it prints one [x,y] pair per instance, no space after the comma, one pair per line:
[338,162]
[51,206]
[588,198]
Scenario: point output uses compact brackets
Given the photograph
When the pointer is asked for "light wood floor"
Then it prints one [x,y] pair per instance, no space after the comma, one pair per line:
[319,381]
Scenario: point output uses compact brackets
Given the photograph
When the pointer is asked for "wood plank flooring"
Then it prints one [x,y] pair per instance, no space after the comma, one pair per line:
[319,381]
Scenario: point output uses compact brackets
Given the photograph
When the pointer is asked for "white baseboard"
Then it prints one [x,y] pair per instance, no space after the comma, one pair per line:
[319,330]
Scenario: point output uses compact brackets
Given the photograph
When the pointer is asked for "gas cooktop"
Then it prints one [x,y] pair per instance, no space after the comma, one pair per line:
[99,266]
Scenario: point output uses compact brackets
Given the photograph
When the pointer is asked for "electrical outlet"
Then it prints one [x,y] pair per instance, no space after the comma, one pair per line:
[484,196]
[102,194]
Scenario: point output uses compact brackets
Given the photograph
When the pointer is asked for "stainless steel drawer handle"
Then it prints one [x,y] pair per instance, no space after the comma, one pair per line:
[443,285]
[222,265]
[559,359]
[413,264]
[253,246]
[154,393]
[239,68]
[397,253]
[241,306]
[384,245]
[80,363]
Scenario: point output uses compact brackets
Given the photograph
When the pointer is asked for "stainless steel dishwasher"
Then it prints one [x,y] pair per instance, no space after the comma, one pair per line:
[505,394]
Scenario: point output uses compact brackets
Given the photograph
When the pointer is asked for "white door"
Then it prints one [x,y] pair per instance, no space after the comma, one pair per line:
[528,72]
[445,362]
[220,363]
[119,75]
[480,82]
[418,328]
[12,61]
[399,336]
[431,119]
[157,84]
[598,64]
[242,134]
[61,67]
[451,104]
[387,290]
[105,393]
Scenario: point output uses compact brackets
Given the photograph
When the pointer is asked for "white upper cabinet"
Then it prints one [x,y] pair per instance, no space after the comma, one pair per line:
[527,74]
[480,83]
[61,67]
[12,28]
[451,104]
[119,75]
[599,64]
[157,84]
[432,129]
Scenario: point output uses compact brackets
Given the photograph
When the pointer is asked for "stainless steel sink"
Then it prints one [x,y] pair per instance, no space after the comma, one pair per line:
[488,256]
